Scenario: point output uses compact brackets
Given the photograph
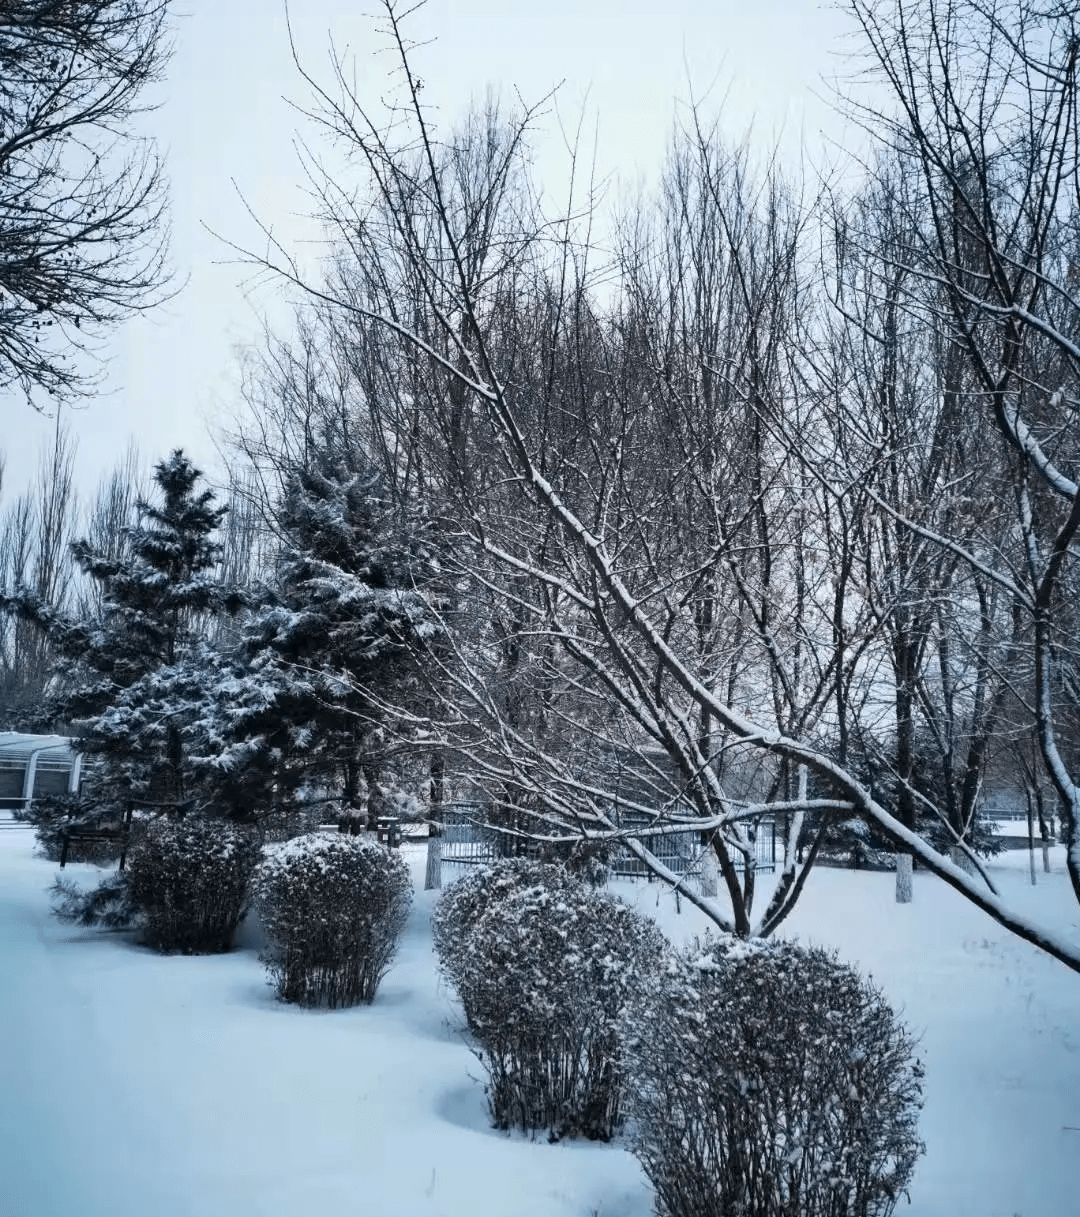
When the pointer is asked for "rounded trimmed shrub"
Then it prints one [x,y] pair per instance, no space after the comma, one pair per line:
[544,972]
[770,1080]
[333,908]
[187,882]
[465,901]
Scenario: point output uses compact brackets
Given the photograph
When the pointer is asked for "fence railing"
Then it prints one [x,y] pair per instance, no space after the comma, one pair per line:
[468,840]
[683,853]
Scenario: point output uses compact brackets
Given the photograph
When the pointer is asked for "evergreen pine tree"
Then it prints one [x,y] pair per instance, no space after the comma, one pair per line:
[335,643]
[132,673]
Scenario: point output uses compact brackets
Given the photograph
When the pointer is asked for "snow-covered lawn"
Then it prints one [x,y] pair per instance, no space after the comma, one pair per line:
[138,1086]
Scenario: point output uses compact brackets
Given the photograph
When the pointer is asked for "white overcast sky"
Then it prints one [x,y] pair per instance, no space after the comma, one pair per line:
[225,117]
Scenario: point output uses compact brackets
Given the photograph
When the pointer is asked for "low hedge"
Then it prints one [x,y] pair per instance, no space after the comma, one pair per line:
[187,882]
[545,966]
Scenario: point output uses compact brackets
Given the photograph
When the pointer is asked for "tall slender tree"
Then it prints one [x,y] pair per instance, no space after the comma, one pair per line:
[35,556]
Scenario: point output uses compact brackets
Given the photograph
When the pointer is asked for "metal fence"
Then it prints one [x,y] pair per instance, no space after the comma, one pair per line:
[469,840]
[683,854]
[466,838]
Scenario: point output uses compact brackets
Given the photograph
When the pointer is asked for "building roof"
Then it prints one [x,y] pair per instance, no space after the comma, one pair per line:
[14,746]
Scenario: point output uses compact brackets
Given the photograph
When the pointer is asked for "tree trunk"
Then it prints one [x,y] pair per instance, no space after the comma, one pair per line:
[709,871]
[375,801]
[905,755]
[433,871]
[1045,830]
[904,866]
[962,860]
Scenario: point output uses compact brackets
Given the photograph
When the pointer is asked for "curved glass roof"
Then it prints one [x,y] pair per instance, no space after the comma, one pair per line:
[14,746]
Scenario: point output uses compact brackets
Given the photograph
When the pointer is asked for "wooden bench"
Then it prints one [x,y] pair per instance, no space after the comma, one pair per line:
[118,833]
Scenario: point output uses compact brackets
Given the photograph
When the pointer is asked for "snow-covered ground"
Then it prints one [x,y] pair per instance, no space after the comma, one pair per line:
[133,1085]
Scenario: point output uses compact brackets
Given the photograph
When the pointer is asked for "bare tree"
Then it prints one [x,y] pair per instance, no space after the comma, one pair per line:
[602,529]
[714,279]
[35,538]
[986,122]
[904,424]
[82,196]
[107,518]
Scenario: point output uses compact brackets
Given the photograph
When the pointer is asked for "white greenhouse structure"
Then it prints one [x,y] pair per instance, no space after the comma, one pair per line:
[35,765]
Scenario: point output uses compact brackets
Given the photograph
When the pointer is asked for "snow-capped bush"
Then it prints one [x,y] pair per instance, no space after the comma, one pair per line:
[771,1081]
[333,907]
[187,880]
[545,972]
[463,904]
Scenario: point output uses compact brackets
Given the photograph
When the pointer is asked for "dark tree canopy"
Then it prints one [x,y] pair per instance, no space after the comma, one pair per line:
[81,195]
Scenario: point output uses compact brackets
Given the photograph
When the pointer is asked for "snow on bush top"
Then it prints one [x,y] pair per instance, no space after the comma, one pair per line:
[326,853]
[331,873]
[321,850]
[780,1055]
[532,949]
[194,837]
[463,904]
[550,961]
